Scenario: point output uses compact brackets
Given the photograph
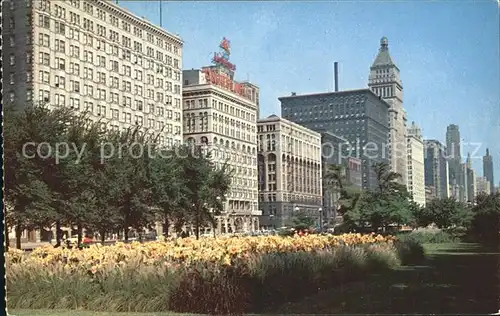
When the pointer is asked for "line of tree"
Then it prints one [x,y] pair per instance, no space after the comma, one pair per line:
[390,203]
[105,180]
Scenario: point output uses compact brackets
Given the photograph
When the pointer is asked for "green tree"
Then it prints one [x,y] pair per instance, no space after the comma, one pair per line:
[30,168]
[203,183]
[128,154]
[302,221]
[388,204]
[444,212]
[167,182]
[486,221]
[348,195]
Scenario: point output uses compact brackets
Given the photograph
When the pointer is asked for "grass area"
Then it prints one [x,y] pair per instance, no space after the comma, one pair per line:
[31,312]
[456,278]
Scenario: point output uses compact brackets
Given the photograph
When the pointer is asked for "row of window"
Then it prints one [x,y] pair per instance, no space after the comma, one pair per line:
[102,93]
[60,12]
[73,51]
[220,124]
[268,128]
[220,106]
[102,45]
[332,110]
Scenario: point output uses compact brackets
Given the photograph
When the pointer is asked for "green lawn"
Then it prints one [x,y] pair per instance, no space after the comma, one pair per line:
[84,313]
[456,278]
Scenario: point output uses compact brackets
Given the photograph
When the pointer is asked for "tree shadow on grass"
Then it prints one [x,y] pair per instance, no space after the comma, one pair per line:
[448,283]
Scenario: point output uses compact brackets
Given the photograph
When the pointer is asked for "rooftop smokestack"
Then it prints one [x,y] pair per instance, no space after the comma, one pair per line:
[336,75]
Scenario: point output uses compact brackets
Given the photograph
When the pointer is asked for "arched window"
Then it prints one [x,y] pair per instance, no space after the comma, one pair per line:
[191,141]
[204,140]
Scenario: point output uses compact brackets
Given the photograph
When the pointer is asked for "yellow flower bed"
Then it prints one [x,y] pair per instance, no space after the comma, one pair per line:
[180,252]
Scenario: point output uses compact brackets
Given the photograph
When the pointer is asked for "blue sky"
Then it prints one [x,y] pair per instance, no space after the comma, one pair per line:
[447,51]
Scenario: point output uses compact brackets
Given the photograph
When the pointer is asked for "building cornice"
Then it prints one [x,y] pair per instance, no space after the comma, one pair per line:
[214,90]
[138,21]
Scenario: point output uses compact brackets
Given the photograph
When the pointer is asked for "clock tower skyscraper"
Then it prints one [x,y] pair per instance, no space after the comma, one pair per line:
[385,81]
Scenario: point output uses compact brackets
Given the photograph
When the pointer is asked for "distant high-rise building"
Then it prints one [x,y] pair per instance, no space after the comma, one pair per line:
[436,168]
[488,168]
[453,150]
[385,81]
[463,190]
[483,185]
[359,116]
[470,180]
[454,156]
[416,168]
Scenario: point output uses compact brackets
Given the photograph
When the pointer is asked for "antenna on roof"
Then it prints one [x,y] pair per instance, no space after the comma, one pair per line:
[336,76]
[161,15]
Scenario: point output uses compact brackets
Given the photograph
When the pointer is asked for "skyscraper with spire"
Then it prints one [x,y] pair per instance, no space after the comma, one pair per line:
[385,81]
[488,169]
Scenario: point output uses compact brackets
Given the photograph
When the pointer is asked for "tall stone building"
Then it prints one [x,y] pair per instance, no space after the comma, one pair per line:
[358,116]
[488,169]
[289,160]
[416,168]
[220,114]
[94,57]
[385,81]
[436,168]
[454,155]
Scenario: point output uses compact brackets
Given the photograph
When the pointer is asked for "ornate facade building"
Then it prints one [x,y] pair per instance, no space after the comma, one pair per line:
[385,81]
[290,171]
[221,115]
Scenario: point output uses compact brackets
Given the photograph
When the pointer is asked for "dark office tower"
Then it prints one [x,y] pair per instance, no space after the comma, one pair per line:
[359,116]
[436,168]
[488,169]
[453,150]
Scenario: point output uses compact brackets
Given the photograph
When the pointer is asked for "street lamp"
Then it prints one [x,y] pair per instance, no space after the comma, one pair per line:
[218,198]
[320,210]
[271,217]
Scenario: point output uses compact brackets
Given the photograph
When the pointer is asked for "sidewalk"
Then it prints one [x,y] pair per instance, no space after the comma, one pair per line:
[32,245]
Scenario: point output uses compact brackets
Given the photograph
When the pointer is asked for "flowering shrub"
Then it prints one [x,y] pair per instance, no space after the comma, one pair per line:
[223,275]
